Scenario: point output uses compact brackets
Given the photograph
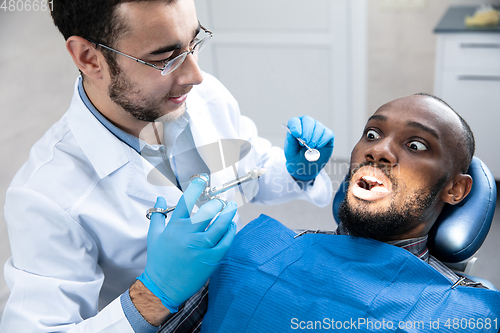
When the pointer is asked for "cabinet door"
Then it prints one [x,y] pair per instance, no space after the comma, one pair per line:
[475,95]
[286,58]
[472,51]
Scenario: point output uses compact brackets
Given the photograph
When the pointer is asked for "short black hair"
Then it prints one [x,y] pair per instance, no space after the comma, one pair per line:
[94,19]
[97,20]
[468,142]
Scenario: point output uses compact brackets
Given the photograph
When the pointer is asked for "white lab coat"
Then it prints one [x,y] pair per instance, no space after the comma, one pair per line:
[76,213]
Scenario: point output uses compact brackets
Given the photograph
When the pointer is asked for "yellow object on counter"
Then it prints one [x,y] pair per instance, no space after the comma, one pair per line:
[483,17]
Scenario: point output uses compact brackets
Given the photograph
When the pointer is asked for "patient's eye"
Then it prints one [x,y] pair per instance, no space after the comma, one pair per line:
[372,135]
[416,145]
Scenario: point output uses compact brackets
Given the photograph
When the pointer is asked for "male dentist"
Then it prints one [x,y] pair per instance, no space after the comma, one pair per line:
[144,118]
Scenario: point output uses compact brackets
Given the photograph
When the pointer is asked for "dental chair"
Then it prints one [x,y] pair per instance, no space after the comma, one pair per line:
[460,230]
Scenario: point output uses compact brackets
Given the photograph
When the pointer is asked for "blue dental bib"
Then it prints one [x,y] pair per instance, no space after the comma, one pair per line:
[270,281]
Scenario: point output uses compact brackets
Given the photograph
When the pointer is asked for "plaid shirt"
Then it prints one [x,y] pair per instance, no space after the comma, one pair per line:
[188,318]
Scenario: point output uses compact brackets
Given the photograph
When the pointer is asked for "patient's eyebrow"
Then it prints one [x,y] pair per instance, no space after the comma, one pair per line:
[378,117]
[422,127]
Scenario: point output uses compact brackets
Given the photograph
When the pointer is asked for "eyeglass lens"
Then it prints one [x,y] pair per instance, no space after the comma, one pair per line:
[173,64]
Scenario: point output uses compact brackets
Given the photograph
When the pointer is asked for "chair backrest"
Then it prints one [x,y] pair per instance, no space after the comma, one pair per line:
[460,230]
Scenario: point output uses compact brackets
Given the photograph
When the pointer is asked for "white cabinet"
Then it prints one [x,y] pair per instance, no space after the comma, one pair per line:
[468,78]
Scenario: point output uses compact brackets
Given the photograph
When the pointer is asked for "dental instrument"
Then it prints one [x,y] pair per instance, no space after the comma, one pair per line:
[311,154]
[212,193]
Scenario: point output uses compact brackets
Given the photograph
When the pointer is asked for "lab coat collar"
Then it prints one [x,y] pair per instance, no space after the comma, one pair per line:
[107,153]
[129,139]
[104,150]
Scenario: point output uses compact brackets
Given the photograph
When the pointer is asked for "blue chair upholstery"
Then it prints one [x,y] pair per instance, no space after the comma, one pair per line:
[460,230]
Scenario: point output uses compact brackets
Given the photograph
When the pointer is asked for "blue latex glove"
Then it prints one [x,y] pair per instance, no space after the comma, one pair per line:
[316,135]
[182,256]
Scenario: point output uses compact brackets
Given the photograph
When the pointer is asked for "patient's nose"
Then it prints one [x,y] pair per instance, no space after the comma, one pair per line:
[382,152]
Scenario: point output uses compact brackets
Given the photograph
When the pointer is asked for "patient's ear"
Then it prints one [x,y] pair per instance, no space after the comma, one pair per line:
[457,190]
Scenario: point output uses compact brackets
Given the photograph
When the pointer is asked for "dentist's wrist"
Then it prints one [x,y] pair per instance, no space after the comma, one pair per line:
[149,306]
[153,288]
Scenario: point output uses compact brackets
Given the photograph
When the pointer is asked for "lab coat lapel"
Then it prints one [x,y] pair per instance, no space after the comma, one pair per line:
[147,183]
[208,144]
[203,131]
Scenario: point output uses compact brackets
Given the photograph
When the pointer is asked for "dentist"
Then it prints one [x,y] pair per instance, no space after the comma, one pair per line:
[144,118]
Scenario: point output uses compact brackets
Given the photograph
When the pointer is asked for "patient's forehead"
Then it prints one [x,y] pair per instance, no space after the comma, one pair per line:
[424,109]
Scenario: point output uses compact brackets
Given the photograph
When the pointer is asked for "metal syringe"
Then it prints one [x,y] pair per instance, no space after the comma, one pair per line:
[211,193]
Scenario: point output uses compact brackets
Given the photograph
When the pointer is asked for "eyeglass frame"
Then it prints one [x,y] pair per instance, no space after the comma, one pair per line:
[183,54]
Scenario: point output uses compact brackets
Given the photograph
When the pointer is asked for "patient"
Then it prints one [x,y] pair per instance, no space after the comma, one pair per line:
[375,273]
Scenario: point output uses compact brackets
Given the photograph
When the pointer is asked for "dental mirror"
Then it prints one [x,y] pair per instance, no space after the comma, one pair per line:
[311,154]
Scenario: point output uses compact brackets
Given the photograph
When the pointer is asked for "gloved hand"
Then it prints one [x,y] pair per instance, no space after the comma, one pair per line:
[182,256]
[316,135]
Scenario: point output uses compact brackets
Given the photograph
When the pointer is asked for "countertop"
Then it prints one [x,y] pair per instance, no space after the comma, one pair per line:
[453,21]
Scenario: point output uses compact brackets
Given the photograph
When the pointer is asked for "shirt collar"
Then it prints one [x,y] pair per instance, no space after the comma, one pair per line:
[416,246]
[129,139]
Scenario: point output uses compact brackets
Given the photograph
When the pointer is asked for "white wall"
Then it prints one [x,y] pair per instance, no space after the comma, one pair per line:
[286,58]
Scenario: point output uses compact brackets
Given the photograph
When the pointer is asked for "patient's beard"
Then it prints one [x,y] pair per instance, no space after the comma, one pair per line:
[394,221]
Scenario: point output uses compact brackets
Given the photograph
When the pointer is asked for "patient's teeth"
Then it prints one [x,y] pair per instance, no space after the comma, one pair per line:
[372,179]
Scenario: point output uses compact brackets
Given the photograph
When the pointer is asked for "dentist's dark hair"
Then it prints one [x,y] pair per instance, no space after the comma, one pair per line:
[97,20]
[464,157]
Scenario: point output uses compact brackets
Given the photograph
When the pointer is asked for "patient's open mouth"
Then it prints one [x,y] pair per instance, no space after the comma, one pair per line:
[371,184]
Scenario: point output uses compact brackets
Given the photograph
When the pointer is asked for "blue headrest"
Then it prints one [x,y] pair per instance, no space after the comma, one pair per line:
[460,230]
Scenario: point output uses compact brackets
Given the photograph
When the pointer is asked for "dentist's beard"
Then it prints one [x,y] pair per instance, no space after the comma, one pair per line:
[126,94]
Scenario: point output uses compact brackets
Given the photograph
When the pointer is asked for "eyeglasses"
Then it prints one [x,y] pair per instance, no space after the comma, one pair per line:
[172,64]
